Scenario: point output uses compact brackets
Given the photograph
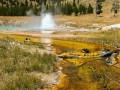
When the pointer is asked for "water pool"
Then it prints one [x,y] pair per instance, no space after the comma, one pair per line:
[11,28]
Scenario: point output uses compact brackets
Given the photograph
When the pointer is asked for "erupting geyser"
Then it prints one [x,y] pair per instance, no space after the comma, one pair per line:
[47,22]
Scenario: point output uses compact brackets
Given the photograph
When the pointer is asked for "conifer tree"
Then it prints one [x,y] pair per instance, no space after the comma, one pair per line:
[80,9]
[68,8]
[16,8]
[115,7]
[76,11]
[90,9]
[84,9]
[99,6]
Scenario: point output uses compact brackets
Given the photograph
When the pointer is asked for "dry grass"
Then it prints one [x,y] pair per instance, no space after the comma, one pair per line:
[108,38]
[88,20]
[20,38]
[17,64]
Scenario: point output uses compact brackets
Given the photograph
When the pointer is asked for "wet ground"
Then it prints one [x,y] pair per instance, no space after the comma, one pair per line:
[87,74]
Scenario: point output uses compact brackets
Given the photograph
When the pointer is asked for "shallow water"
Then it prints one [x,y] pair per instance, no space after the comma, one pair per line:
[8,28]
[82,74]
[11,28]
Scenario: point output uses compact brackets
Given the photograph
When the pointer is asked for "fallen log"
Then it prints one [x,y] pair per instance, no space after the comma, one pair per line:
[108,54]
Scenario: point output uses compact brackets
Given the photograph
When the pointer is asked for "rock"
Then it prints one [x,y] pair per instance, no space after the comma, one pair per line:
[112,59]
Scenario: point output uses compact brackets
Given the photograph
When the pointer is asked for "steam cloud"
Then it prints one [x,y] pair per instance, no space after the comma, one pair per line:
[46,22]
[30,13]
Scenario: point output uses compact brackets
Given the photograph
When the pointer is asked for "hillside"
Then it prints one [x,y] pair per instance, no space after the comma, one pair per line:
[107,5]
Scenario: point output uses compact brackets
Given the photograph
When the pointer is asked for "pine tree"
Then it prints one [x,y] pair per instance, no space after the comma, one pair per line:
[76,11]
[99,6]
[68,9]
[26,5]
[23,13]
[90,9]
[115,7]
[35,11]
[80,9]
[84,9]
[0,10]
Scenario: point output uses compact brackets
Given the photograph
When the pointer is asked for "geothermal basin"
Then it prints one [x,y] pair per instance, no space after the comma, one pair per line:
[45,24]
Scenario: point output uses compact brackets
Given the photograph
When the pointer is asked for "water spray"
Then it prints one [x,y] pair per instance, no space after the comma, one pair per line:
[47,22]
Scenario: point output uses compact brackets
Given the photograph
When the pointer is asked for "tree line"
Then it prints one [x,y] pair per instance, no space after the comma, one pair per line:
[17,8]
[68,9]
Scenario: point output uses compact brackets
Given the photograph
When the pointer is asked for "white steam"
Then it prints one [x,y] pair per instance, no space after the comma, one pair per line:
[47,22]
[30,13]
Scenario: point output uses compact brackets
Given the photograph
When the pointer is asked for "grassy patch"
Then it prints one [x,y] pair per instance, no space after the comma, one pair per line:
[16,64]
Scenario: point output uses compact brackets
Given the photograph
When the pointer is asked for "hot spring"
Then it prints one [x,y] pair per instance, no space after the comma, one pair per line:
[46,23]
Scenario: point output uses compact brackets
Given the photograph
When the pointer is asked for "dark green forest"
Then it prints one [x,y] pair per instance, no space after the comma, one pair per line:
[56,7]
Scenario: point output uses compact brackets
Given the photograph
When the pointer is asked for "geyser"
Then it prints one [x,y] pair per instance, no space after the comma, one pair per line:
[47,22]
